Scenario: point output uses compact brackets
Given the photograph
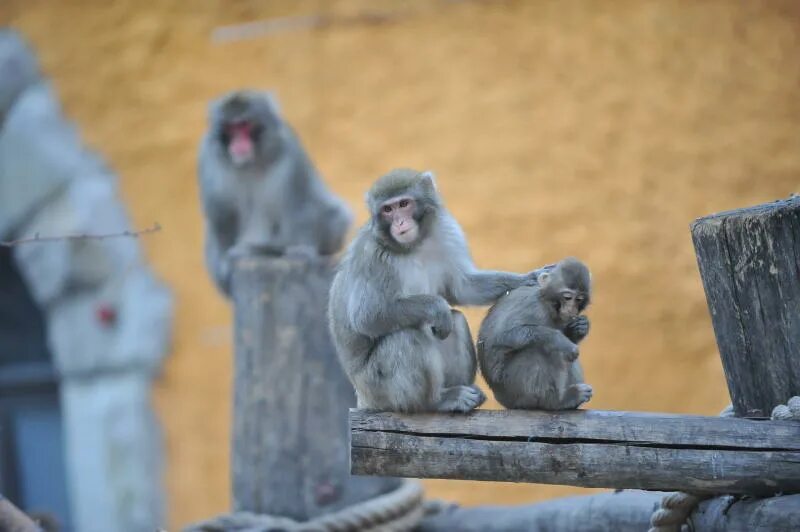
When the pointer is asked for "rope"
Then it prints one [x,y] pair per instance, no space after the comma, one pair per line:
[397,511]
[676,507]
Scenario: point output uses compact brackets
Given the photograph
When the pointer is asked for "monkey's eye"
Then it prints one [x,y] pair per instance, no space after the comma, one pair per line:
[567,296]
[403,203]
[387,208]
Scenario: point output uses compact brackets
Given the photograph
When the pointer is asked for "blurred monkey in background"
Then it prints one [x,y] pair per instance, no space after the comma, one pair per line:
[260,191]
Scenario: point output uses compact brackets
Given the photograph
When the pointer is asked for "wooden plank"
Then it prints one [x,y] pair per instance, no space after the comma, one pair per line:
[623,450]
[590,425]
[289,435]
[749,261]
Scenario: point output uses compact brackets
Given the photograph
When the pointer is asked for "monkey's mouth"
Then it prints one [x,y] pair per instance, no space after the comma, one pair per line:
[405,236]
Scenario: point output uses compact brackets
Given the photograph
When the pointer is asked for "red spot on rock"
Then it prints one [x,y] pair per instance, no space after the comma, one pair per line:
[106,314]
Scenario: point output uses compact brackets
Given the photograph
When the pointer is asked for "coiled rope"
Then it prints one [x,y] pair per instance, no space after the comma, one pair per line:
[397,511]
[676,507]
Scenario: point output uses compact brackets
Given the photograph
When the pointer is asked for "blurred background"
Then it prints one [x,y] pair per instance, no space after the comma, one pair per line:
[599,130]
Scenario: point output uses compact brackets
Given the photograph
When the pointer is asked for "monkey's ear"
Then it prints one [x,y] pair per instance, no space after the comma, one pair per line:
[428,179]
[272,102]
[544,278]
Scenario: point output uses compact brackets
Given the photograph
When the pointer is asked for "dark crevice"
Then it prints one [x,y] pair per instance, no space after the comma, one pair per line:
[580,441]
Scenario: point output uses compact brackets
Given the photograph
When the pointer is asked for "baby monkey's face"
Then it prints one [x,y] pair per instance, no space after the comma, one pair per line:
[571,303]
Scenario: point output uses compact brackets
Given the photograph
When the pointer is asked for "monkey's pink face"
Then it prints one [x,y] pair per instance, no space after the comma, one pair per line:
[398,212]
[240,142]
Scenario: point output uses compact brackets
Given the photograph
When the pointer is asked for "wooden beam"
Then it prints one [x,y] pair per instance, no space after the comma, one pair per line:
[626,450]
[748,261]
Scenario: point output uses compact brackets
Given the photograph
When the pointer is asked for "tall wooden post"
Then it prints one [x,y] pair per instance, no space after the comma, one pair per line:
[291,398]
[750,264]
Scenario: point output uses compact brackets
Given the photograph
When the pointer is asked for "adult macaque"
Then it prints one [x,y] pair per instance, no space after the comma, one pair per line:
[260,190]
[402,346]
[527,344]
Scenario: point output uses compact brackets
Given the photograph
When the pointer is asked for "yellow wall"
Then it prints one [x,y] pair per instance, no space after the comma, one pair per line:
[586,128]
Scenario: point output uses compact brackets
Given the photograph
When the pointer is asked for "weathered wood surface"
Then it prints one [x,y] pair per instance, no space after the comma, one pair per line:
[628,450]
[627,511]
[749,261]
[290,435]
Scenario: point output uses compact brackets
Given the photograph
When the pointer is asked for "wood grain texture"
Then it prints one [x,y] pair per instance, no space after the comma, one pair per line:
[289,439]
[749,261]
[627,450]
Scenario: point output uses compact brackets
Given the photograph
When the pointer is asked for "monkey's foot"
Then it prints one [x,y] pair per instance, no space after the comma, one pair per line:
[583,392]
[301,251]
[249,249]
[461,399]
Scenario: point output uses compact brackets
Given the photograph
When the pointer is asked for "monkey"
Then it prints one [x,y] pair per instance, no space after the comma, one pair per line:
[400,343]
[260,191]
[528,342]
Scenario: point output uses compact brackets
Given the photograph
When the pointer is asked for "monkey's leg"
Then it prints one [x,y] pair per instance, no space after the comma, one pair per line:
[402,374]
[333,228]
[458,353]
[218,263]
[460,365]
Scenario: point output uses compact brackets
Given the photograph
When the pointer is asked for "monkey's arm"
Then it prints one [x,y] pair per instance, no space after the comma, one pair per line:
[484,287]
[374,317]
[521,336]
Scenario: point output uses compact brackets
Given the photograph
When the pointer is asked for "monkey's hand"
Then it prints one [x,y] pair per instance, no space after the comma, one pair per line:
[532,277]
[577,329]
[441,320]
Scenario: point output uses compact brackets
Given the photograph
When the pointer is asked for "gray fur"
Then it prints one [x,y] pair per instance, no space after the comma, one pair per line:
[527,344]
[276,203]
[398,340]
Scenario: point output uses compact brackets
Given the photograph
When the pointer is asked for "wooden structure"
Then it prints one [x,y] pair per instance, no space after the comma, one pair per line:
[289,438]
[750,264]
[749,260]
[596,449]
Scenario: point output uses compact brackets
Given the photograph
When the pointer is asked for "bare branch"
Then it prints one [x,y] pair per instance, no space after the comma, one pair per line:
[317,21]
[156,227]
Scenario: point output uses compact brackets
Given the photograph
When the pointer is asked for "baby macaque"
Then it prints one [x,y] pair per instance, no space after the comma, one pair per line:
[527,345]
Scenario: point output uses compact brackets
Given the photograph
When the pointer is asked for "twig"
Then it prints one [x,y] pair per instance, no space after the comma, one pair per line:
[156,227]
[261,28]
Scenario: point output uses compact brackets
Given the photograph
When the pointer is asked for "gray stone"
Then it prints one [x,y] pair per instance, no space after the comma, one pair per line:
[113,451]
[40,151]
[19,69]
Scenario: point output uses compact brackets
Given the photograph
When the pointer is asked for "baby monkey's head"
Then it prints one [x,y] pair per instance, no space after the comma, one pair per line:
[567,288]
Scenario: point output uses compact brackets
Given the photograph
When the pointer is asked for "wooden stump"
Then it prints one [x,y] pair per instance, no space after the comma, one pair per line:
[750,264]
[291,398]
